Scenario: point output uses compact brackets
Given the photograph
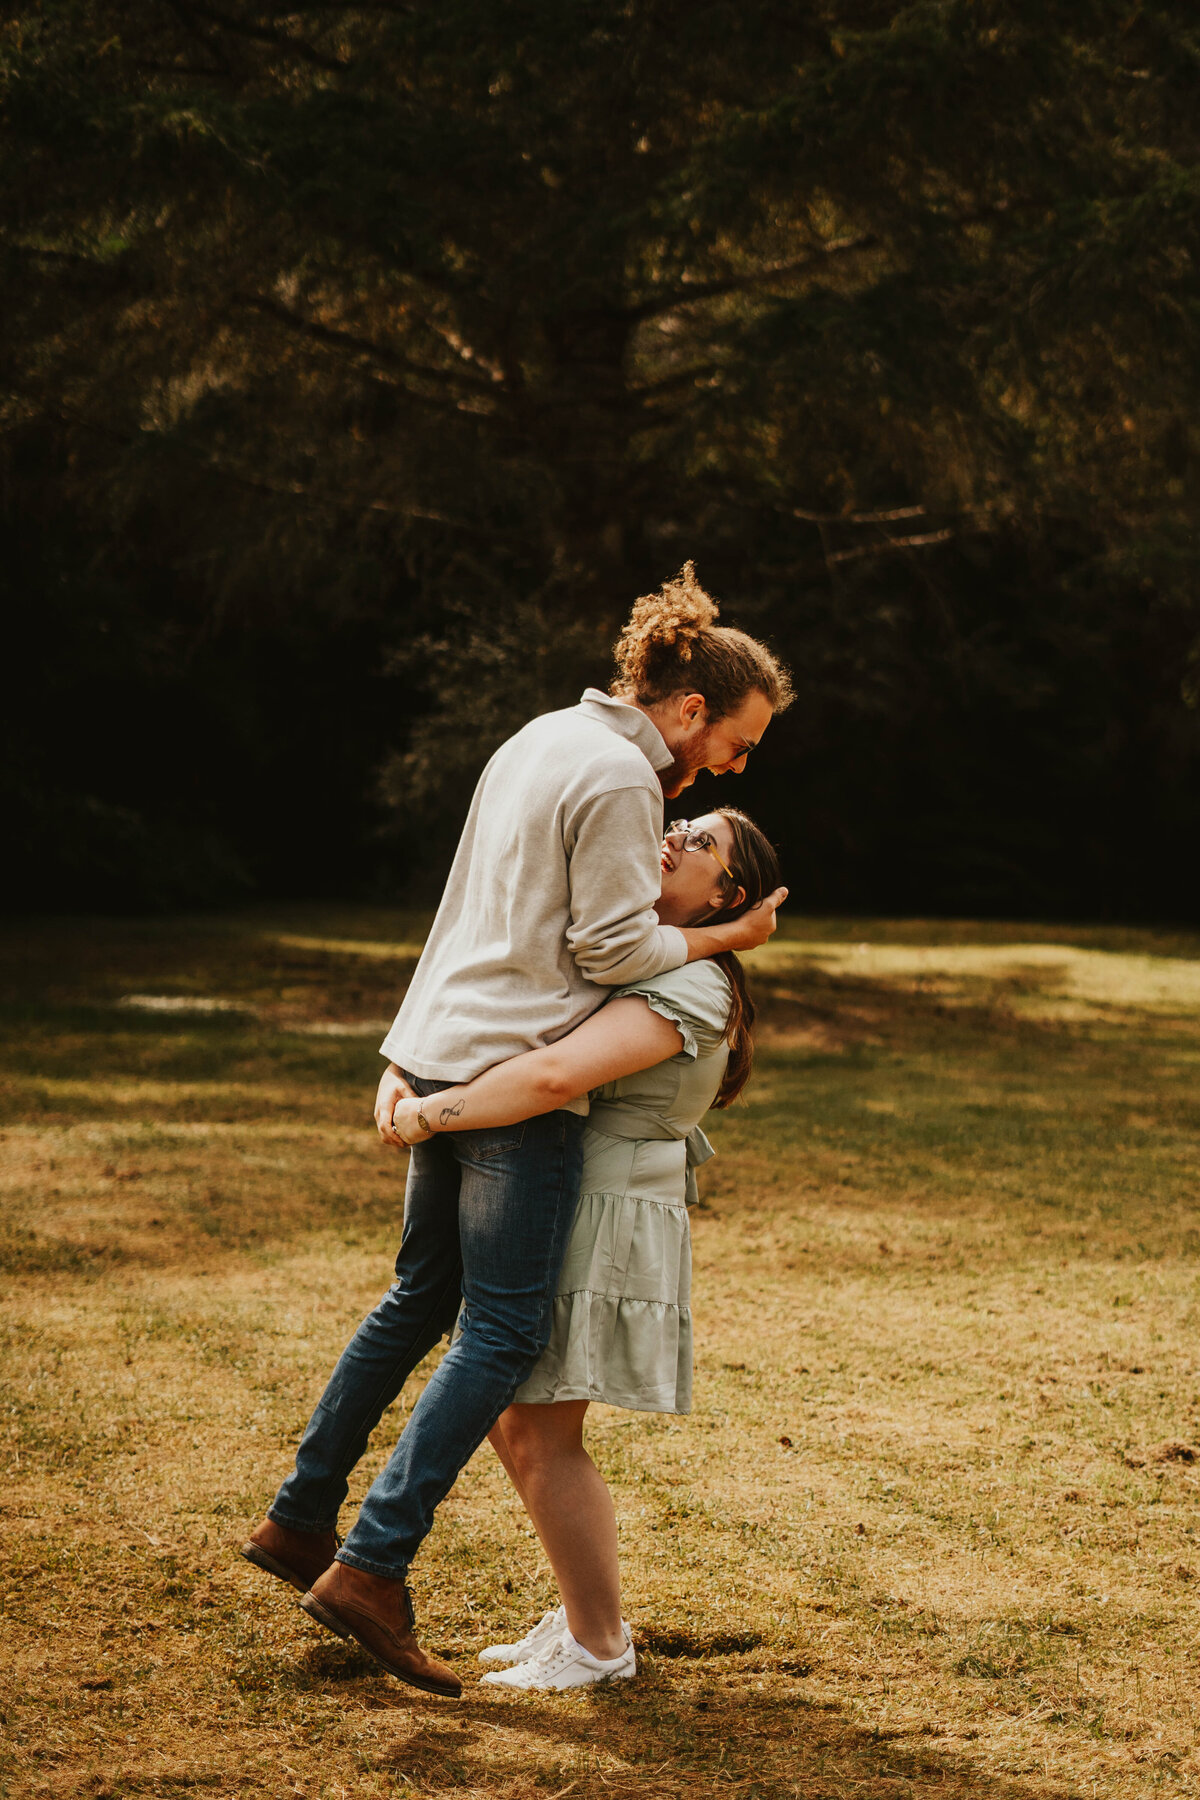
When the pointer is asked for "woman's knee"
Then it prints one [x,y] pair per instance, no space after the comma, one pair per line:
[538,1437]
[525,1446]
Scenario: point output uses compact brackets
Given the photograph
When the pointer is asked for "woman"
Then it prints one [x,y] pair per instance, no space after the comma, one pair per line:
[655,1058]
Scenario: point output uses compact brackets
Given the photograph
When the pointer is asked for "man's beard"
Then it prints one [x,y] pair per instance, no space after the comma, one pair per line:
[685,765]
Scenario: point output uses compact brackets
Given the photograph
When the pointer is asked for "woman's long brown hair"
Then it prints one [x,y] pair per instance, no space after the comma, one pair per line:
[756,868]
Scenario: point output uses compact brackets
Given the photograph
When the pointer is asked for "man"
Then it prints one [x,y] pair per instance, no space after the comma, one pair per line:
[549,902]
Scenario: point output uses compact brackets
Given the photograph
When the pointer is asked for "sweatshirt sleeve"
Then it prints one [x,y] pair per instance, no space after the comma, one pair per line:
[614,873]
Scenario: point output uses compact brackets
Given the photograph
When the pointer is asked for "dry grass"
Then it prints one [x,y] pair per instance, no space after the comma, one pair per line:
[931,1530]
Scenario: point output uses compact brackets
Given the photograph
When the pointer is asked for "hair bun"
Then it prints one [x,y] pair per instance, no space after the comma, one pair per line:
[670,620]
[673,645]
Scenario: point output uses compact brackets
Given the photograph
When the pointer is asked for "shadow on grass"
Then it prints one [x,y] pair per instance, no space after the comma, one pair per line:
[693,1716]
[855,1069]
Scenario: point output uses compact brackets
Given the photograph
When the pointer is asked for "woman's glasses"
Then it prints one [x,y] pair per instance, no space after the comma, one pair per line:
[680,830]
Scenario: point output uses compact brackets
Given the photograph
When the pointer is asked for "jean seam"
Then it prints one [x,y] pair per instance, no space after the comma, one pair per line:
[547,1297]
[389,1572]
[374,1409]
[294,1524]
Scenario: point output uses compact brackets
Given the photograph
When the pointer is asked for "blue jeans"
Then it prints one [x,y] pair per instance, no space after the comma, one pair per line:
[487,1215]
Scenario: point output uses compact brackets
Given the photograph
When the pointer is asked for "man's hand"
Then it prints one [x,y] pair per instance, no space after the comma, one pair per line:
[391,1092]
[755,927]
[406,1124]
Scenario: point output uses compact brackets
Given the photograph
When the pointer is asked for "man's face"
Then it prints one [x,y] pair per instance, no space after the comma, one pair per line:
[720,747]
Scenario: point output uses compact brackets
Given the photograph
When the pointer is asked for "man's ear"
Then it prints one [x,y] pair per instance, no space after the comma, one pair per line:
[691,708]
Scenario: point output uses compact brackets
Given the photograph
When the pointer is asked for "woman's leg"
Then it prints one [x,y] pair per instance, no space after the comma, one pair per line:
[497,1440]
[572,1511]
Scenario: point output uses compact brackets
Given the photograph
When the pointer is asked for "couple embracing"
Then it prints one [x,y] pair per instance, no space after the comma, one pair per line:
[546,1232]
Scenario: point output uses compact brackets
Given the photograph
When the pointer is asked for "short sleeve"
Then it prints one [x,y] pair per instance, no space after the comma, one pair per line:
[695,997]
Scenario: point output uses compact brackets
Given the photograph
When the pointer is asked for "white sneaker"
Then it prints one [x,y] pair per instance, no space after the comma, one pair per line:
[565,1664]
[550,1625]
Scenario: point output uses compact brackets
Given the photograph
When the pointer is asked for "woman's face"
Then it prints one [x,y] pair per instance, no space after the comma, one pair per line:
[693,882]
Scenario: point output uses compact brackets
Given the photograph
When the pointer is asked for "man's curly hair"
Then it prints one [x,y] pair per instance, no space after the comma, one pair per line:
[672,644]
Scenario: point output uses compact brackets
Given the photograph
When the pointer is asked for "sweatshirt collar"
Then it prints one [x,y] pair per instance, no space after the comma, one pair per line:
[628,722]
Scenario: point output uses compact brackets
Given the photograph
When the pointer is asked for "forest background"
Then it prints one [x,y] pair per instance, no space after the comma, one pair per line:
[362,364]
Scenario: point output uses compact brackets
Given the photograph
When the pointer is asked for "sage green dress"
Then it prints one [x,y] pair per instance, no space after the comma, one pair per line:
[622,1328]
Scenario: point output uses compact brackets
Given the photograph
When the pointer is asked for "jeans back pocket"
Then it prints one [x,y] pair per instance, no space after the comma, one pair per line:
[489,1144]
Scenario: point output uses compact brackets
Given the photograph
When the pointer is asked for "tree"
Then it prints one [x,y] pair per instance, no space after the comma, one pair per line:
[515,305]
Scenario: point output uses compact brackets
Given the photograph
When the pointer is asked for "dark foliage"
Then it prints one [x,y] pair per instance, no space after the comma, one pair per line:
[362,363]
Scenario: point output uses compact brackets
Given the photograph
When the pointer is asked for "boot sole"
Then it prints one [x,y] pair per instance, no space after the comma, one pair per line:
[332,1622]
[253,1553]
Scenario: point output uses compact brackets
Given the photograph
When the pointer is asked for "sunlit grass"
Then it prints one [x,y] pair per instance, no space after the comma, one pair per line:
[1036,979]
[931,1530]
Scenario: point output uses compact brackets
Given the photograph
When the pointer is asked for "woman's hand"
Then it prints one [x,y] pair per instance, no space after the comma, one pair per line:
[396,1107]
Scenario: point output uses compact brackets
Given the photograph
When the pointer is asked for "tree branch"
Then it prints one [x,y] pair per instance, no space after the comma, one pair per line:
[351,342]
[690,292]
[219,73]
[904,543]
[403,7]
[495,373]
[280,40]
[283,490]
[287,490]
[859,518]
[685,378]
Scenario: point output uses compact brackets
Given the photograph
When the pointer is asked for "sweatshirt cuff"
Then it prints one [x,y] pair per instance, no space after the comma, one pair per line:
[675,947]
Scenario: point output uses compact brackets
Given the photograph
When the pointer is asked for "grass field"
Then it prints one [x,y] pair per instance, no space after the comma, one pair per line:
[932,1529]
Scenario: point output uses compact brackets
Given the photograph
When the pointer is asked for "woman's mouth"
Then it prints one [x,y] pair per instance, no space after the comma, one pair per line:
[666,863]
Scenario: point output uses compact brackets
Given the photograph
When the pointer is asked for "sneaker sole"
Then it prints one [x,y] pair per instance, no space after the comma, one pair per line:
[270,1566]
[572,1687]
[493,1660]
[331,1621]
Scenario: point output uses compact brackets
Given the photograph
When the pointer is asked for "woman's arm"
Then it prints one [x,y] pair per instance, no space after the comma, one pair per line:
[624,1036]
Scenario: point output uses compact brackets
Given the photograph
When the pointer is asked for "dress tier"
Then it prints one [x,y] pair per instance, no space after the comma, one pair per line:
[622,1324]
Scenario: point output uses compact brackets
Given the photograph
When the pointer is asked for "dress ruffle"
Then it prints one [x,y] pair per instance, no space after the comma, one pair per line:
[695,998]
[670,1009]
[621,1328]
[632,1353]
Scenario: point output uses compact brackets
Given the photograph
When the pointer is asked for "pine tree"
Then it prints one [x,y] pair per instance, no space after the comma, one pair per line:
[483,316]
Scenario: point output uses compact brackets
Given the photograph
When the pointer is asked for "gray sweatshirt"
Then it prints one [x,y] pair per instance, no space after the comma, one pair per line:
[551,896]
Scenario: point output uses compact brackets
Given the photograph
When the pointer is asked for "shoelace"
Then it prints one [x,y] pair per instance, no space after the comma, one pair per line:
[564,1652]
[548,1622]
[551,1658]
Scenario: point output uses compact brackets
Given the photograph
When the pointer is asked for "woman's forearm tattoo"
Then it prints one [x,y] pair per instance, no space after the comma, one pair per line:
[451,1112]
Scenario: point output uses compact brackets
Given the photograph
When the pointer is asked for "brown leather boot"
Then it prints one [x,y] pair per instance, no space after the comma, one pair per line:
[295,1556]
[378,1614]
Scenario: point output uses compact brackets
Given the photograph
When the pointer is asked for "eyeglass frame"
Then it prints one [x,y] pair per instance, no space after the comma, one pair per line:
[685,826]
